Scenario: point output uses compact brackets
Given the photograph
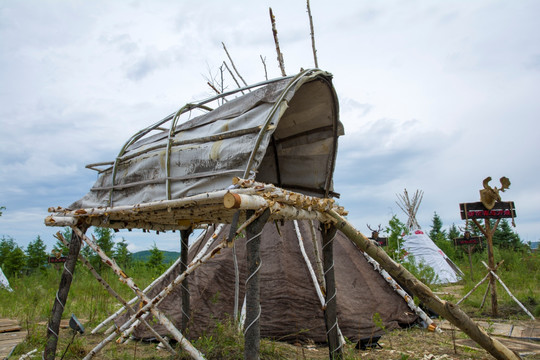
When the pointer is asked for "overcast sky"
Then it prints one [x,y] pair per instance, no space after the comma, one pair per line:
[433,95]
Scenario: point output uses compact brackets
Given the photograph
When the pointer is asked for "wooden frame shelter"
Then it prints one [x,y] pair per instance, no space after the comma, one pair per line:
[267,155]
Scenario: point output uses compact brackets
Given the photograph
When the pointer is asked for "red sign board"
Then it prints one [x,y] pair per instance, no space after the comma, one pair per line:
[471,240]
[477,210]
[55,260]
[381,241]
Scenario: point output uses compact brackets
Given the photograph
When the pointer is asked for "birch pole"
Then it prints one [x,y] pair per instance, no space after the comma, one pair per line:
[117,296]
[312,35]
[186,345]
[61,296]
[276,41]
[446,309]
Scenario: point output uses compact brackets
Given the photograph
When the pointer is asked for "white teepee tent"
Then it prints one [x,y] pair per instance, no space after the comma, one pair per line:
[418,244]
[4,283]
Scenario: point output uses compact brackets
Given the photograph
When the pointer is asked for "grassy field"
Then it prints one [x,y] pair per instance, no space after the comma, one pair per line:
[32,300]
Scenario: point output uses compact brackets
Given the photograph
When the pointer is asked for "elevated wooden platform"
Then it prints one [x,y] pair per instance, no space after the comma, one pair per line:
[10,336]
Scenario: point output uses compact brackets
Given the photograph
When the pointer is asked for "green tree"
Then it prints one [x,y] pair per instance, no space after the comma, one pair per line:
[505,237]
[155,261]
[12,257]
[105,240]
[36,254]
[438,235]
[121,254]
[2,208]
[436,232]
[395,229]
[7,245]
[59,245]
[453,232]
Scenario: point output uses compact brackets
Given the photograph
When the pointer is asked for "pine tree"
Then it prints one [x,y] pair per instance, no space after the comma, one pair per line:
[12,257]
[505,237]
[395,229]
[121,254]
[437,233]
[36,254]
[104,239]
[155,261]
[2,208]
[453,232]
[59,245]
[7,245]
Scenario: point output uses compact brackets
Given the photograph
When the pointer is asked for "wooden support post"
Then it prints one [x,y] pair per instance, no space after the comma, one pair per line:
[330,310]
[184,239]
[61,296]
[469,251]
[491,262]
[252,331]
[446,309]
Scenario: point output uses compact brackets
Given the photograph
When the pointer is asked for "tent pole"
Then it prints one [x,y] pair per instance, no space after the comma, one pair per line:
[252,332]
[184,343]
[111,291]
[446,309]
[62,294]
[330,309]
[184,253]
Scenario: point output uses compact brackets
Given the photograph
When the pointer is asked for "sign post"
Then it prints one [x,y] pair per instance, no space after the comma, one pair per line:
[490,207]
[470,242]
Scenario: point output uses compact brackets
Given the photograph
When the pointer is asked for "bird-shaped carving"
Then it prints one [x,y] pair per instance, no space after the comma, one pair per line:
[489,196]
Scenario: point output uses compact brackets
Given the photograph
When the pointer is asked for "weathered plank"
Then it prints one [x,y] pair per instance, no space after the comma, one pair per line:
[8,340]
[7,325]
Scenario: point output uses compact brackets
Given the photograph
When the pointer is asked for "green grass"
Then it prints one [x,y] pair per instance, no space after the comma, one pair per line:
[32,300]
[521,274]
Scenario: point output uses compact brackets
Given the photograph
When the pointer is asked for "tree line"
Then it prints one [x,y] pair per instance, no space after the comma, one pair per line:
[17,261]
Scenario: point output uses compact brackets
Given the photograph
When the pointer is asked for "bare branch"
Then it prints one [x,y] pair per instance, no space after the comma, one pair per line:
[276,41]
[232,75]
[264,65]
[232,63]
[312,35]
[213,87]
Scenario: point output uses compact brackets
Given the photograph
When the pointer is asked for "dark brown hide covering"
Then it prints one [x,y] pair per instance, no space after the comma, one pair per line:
[290,307]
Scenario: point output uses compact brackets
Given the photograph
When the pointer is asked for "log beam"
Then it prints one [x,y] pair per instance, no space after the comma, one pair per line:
[446,309]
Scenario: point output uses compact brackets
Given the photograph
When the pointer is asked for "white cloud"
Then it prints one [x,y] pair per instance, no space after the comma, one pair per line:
[434,96]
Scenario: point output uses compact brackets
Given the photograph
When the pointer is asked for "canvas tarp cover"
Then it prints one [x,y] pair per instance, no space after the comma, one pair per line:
[291,309]
[296,148]
[424,250]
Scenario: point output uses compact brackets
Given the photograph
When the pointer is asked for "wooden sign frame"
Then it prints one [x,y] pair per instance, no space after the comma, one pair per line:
[477,210]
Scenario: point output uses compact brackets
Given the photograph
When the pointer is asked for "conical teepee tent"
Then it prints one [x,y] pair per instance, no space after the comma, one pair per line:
[418,244]
[4,283]
[290,307]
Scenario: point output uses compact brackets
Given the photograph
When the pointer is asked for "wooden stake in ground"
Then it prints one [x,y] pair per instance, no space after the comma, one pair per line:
[252,332]
[488,232]
[330,311]
[61,296]
[446,309]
